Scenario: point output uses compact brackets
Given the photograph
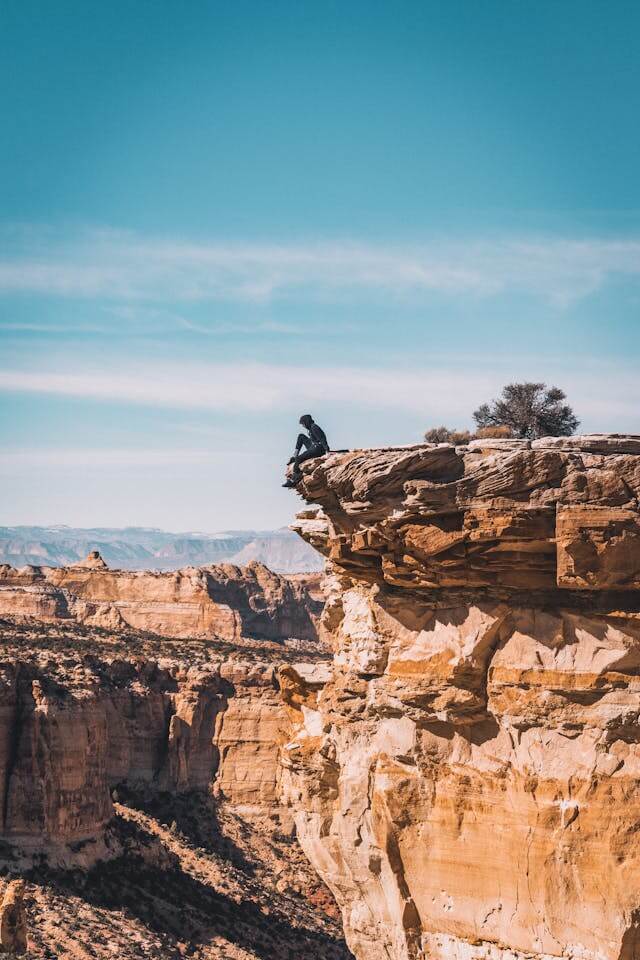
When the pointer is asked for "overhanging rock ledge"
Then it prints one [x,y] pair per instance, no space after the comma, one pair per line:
[468,780]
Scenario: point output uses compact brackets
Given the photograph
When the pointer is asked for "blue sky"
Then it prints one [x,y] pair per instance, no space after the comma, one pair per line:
[216,217]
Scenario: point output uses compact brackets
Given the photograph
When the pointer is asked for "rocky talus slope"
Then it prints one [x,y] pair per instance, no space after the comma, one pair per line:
[140,798]
[467,782]
[222,601]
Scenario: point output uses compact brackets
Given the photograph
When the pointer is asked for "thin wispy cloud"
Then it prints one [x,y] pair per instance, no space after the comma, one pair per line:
[217,328]
[247,388]
[50,328]
[99,459]
[600,391]
[127,267]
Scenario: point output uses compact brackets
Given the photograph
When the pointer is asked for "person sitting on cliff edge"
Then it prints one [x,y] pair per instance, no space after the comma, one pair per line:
[315,445]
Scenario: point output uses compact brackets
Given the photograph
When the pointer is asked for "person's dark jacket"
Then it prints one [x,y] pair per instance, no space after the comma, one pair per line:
[318,436]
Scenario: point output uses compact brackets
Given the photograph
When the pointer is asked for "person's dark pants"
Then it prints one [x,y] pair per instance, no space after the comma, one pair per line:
[312,450]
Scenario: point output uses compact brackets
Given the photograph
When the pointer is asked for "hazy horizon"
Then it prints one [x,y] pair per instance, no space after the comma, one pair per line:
[203,533]
[217,218]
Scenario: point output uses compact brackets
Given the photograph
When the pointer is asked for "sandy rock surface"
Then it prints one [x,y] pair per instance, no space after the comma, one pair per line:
[467,782]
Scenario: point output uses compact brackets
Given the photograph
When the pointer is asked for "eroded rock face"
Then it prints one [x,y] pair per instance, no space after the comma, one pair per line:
[223,601]
[467,782]
[13,919]
[77,721]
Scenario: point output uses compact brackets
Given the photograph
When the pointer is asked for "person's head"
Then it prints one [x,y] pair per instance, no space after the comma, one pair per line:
[306,420]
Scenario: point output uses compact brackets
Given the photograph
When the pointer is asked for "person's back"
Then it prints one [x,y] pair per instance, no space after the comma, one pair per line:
[318,435]
[315,444]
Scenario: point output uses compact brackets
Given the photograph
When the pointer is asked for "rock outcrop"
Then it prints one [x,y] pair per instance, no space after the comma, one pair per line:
[467,782]
[222,601]
[13,919]
[79,719]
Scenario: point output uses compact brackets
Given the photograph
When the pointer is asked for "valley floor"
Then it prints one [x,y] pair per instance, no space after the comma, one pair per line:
[194,880]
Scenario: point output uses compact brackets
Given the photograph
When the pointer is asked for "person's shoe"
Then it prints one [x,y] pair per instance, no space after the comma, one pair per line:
[290,461]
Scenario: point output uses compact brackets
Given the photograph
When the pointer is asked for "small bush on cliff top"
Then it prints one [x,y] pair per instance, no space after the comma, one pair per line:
[446,435]
[524,410]
[461,437]
[500,432]
[530,410]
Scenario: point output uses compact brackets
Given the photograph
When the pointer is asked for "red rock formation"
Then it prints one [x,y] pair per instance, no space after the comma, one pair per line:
[467,781]
[223,601]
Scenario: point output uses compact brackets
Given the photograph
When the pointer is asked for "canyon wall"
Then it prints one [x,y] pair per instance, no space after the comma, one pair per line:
[467,782]
[222,601]
[93,696]
[74,725]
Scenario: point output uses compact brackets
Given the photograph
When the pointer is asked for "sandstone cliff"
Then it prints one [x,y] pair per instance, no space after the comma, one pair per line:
[140,799]
[468,781]
[223,601]
[78,718]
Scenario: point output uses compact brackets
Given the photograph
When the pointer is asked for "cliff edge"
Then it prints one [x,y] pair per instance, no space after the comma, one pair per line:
[467,782]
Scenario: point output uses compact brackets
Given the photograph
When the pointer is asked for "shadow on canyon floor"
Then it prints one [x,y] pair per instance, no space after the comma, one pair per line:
[195,818]
[182,886]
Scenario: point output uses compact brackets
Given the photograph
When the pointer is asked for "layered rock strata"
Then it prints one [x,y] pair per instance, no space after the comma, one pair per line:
[467,782]
[78,719]
[223,601]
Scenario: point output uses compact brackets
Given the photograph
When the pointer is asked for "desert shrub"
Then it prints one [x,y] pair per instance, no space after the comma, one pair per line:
[447,435]
[500,432]
[438,435]
[530,410]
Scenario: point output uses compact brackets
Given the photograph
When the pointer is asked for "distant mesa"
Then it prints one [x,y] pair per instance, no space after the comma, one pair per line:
[218,602]
[141,548]
[94,561]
